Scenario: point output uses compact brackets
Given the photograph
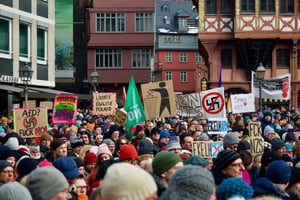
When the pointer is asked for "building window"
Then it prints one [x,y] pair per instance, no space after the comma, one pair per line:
[144,22]
[267,5]
[183,57]
[283,58]
[198,58]
[168,76]
[182,22]
[108,58]
[247,5]
[42,45]
[6,38]
[211,7]
[168,57]
[110,22]
[286,6]
[172,38]
[226,58]
[24,42]
[226,7]
[298,58]
[141,58]
[183,77]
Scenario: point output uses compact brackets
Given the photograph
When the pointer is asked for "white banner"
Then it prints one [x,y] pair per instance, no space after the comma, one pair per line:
[213,103]
[274,88]
[217,125]
[242,103]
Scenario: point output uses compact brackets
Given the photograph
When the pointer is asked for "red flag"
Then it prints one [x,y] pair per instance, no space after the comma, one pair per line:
[124,96]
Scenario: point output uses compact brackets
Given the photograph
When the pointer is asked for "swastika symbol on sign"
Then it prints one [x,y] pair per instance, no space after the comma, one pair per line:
[29,122]
[212,103]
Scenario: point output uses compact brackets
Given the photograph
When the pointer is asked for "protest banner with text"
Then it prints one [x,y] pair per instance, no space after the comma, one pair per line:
[217,125]
[207,149]
[47,104]
[242,103]
[256,139]
[65,109]
[119,118]
[189,105]
[104,103]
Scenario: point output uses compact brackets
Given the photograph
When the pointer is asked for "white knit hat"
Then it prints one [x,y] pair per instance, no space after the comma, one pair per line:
[14,191]
[124,181]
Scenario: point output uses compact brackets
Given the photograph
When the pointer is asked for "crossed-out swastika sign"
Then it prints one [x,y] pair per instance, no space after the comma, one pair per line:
[29,122]
[213,102]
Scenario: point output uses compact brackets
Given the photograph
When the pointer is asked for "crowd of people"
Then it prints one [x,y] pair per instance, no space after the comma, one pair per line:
[97,159]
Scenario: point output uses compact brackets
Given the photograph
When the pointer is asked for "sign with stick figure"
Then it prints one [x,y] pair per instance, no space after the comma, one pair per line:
[158,99]
[213,103]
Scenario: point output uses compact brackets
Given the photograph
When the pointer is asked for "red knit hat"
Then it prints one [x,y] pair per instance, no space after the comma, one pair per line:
[128,151]
[90,158]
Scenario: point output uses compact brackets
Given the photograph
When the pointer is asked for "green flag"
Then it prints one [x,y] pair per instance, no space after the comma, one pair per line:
[133,106]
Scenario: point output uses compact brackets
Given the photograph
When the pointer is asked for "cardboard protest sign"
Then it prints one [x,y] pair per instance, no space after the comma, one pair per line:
[213,103]
[215,148]
[30,103]
[119,118]
[201,148]
[159,100]
[242,103]
[47,104]
[104,103]
[217,125]
[189,105]
[256,139]
[30,122]
[65,109]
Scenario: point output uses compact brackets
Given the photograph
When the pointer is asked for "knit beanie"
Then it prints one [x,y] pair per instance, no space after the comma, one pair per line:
[163,161]
[234,187]
[67,166]
[203,136]
[33,148]
[230,138]
[103,148]
[112,129]
[124,181]
[128,151]
[129,135]
[45,182]
[14,191]
[12,143]
[278,172]
[196,160]
[172,144]
[268,157]
[268,130]
[290,137]
[243,145]
[190,182]
[138,128]
[295,176]
[225,158]
[164,133]
[277,143]
[45,163]
[268,113]
[4,164]
[288,147]
[89,158]
[25,166]
[108,142]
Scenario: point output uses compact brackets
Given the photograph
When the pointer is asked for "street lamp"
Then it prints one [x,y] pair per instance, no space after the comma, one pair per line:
[94,79]
[260,74]
[25,73]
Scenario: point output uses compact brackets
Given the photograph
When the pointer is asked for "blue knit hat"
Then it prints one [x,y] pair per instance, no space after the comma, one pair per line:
[268,113]
[164,133]
[234,187]
[196,160]
[277,143]
[279,172]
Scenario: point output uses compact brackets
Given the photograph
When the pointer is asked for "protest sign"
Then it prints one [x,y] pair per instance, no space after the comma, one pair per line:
[201,148]
[65,109]
[30,122]
[30,103]
[159,100]
[213,103]
[217,125]
[255,136]
[189,105]
[215,148]
[242,103]
[47,104]
[119,118]
[104,103]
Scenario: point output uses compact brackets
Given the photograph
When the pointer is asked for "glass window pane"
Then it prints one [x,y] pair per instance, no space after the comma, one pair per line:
[4,35]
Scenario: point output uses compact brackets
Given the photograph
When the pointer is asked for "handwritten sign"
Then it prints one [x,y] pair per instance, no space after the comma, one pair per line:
[189,105]
[242,103]
[65,109]
[47,104]
[255,136]
[217,125]
[201,148]
[30,122]
[30,103]
[104,103]
[119,118]
[215,148]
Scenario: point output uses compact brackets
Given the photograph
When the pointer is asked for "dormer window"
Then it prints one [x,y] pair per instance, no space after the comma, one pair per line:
[165,9]
[167,20]
[182,22]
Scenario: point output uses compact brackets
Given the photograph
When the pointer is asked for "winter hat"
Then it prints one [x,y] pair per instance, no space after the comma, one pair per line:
[163,161]
[138,183]
[112,129]
[45,182]
[268,157]
[14,191]
[268,113]
[278,172]
[45,163]
[230,138]
[90,158]
[139,128]
[103,148]
[288,147]
[145,147]
[190,182]
[173,144]
[225,158]
[4,164]
[129,135]
[25,166]
[277,143]
[243,145]
[268,130]
[78,162]
[290,137]
[196,160]
[33,148]
[164,133]
[286,158]
[295,176]
[203,136]
[76,142]
[12,143]
[67,166]
[128,151]
[108,142]
[234,187]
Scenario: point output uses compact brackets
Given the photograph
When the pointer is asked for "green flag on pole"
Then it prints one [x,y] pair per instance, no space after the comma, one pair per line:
[133,106]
